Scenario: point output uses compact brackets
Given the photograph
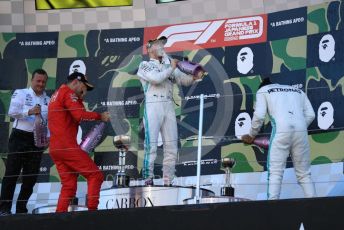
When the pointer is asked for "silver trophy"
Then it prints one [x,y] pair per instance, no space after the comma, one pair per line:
[228,164]
[121,142]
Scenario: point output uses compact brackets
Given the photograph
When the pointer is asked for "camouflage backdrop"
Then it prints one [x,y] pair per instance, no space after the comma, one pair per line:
[303,47]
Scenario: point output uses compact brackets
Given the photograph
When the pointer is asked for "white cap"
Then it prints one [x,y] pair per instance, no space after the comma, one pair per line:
[77,66]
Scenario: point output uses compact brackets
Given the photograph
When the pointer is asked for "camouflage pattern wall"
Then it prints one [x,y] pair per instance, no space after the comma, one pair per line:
[301,47]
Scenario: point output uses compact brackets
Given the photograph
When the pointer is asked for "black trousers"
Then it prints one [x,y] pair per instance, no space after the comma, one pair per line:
[25,158]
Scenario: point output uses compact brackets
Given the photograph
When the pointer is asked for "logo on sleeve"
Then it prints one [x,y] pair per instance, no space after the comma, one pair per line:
[53,98]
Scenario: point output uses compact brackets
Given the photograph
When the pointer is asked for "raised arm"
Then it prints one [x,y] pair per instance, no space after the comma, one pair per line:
[151,74]
[182,78]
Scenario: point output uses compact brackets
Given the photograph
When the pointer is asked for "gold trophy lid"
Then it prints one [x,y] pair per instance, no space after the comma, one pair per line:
[228,162]
[121,141]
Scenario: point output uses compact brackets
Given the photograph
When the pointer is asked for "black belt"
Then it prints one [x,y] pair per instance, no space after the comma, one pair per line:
[22,131]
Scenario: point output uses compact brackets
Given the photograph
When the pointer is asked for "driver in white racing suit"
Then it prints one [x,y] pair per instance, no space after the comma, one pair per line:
[290,114]
[157,77]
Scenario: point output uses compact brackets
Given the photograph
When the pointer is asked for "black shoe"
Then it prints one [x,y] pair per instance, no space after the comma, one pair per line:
[21,212]
[5,213]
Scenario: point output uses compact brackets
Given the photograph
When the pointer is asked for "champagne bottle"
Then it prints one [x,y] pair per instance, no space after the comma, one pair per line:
[93,138]
[262,142]
[40,132]
[189,67]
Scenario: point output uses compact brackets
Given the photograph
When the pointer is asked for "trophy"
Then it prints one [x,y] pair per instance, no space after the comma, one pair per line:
[93,138]
[228,164]
[121,142]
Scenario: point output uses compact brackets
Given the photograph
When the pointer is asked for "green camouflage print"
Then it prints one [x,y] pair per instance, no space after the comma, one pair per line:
[289,52]
[318,17]
[5,38]
[72,44]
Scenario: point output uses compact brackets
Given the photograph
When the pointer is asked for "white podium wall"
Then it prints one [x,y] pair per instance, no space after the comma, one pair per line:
[328,178]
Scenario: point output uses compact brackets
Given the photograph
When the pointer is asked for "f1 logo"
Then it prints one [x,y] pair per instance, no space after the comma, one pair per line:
[199,32]
[210,34]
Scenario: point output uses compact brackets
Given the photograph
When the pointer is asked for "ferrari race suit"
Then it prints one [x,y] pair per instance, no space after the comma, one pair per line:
[157,80]
[290,114]
[65,112]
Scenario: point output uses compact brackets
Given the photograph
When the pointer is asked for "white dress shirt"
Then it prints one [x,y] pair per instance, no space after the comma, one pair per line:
[22,101]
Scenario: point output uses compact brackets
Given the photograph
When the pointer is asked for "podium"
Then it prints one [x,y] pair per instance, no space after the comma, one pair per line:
[146,196]
[52,209]
[214,199]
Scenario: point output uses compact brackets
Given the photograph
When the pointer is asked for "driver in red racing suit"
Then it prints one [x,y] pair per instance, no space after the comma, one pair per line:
[65,112]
